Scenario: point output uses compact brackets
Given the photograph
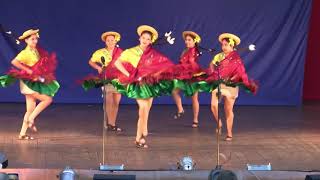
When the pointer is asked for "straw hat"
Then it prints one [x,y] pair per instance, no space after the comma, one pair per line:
[153,31]
[29,33]
[230,36]
[116,35]
[196,36]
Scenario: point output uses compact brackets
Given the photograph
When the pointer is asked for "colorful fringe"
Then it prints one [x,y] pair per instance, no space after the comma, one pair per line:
[49,89]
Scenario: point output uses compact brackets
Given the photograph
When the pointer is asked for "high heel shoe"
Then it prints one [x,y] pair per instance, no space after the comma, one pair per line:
[139,144]
[32,126]
[178,115]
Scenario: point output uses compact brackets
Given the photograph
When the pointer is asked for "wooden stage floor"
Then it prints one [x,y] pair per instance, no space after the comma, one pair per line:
[71,134]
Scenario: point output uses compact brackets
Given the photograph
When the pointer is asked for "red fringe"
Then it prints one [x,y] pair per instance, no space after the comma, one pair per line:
[44,68]
[151,68]
[232,69]
[188,66]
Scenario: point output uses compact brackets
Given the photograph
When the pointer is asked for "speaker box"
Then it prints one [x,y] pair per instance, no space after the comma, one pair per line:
[313,177]
[10,176]
[113,177]
[3,161]
[219,174]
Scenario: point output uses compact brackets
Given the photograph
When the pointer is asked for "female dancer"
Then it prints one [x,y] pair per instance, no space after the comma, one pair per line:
[228,67]
[184,74]
[37,81]
[142,66]
[103,60]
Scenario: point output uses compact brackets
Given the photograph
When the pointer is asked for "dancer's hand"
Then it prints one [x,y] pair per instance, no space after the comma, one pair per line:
[29,71]
[99,70]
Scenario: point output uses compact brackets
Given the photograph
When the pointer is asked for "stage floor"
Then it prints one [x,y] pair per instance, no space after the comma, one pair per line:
[71,134]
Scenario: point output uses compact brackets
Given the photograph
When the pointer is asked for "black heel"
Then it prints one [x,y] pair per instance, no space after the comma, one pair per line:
[178,115]
[113,128]
[195,124]
[25,137]
[228,138]
[32,126]
[141,145]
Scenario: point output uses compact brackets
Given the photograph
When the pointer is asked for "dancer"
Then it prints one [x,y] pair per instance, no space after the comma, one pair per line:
[185,73]
[228,69]
[103,60]
[37,81]
[142,67]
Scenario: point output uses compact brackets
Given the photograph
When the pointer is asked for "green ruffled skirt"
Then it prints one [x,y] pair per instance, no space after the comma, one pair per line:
[190,88]
[144,91]
[48,89]
[93,83]
[164,87]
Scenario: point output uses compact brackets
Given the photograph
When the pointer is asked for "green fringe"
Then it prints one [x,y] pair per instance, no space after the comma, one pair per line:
[90,84]
[189,88]
[7,80]
[209,87]
[49,89]
[164,87]
[144,91]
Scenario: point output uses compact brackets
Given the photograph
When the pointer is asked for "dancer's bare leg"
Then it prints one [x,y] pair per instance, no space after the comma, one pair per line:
[45,101]
[115,108]
[214,107]
[145,128]
[30,106]
[177,98]
[143,114]
[228,107]
[195,108]
[109,108]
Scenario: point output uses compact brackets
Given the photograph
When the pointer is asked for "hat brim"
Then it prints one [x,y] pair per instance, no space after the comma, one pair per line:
[143,28]
[185,33]
[28,33]
[231,36]
[110,33]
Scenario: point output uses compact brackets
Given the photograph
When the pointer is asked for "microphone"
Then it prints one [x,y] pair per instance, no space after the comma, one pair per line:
[103,60]
[3,30]
[251,47]
[209,50]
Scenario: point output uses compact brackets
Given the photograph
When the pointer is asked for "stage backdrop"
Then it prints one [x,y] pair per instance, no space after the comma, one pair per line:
[311,87]
[72,29]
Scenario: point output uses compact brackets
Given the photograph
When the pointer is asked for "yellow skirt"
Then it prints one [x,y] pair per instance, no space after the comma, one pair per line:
[228,92]
[24,89]
[110,89]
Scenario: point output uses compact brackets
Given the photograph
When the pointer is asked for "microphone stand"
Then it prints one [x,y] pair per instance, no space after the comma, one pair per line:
[103,166]
[104,94]
[218,167]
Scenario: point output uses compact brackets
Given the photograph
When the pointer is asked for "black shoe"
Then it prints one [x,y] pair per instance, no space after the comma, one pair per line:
[178,115]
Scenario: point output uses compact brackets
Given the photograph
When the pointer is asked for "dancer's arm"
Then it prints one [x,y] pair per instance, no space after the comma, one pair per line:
[95,66]
[121,68]
[17,64]
[211,68]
